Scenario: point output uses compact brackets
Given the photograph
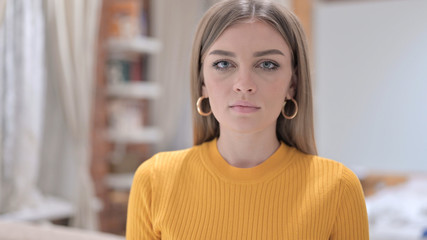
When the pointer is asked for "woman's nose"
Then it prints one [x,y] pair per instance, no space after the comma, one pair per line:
[244,83]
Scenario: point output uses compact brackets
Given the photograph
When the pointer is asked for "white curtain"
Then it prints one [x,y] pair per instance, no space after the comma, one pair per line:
[2,86]
[2,7]
[22,82]
[72,30]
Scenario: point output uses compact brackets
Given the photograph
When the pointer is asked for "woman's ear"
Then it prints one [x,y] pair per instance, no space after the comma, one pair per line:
[204,91]
[292,87]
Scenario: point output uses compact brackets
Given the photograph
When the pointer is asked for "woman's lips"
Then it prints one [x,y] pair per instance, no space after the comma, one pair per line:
[244,107]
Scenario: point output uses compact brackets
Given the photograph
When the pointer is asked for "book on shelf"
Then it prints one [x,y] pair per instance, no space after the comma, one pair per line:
[124,18]
[125,115]
[144,18]
[128,18]
[122,71]
[136,70]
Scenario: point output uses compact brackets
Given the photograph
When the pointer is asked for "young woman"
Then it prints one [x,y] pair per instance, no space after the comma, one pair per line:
[253,172]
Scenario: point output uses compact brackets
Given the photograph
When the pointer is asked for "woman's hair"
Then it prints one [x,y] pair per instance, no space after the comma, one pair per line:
[298,132]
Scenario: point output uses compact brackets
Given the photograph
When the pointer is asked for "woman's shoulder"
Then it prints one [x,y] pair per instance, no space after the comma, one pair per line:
[345,173]
[325,167]
[167,161]
[159,173]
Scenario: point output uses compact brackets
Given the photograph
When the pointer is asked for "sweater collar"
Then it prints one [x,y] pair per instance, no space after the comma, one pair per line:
[276,163]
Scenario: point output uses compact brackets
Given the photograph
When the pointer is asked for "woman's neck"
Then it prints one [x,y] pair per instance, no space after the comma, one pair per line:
[247,150]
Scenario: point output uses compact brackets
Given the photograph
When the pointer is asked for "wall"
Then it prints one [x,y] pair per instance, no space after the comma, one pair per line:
[371,83]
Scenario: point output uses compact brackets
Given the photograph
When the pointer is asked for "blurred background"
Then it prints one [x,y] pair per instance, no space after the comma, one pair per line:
[91,89]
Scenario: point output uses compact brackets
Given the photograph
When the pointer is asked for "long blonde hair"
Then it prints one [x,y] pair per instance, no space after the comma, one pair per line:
[298,132]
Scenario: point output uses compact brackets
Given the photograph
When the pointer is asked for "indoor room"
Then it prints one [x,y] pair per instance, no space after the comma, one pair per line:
[97,96]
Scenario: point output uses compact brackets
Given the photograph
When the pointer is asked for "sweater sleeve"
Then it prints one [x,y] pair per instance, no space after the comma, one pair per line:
[352,219]
[139,218]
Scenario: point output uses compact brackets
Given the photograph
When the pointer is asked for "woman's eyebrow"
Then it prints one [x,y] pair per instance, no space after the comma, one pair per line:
[256,54]
[268,52]
[223,53]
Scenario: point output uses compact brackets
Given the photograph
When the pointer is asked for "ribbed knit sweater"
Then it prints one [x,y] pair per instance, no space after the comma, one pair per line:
[196,194]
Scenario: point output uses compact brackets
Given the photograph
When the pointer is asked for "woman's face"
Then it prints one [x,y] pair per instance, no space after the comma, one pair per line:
[247,76]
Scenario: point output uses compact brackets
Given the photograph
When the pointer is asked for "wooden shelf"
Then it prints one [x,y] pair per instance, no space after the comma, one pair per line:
[144,135]
[120,181]
[123,64]
[134,45]
[138,90]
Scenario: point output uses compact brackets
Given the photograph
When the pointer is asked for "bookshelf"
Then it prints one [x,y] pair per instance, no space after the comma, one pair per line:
[123,134]
[134,90]
[138,44]
[143,135]
[120,181]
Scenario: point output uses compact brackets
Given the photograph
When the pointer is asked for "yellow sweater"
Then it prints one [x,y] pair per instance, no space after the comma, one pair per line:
[196,194]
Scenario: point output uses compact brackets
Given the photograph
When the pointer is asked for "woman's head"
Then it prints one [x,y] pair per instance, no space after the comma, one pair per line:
[297,132]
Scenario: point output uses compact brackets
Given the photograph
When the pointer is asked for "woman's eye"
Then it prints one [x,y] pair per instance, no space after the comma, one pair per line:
[222,65]
[268,65]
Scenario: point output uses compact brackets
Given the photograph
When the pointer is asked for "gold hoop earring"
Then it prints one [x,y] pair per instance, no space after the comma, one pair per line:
[295,113]
[199,107]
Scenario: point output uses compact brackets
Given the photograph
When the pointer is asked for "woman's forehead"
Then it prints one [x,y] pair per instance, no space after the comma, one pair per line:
[250,35]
